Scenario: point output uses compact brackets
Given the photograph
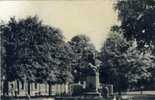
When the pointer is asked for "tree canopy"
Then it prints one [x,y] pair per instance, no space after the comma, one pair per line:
[34,51]
[137,20]
[122,63]
[82,47]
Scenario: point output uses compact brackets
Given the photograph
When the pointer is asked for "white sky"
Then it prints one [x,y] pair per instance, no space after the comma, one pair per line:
[91,17]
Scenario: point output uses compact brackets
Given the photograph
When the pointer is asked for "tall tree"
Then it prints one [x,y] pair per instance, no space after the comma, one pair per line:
[82,47]
[122,63]
[2,63]
[34,51]
[137,19]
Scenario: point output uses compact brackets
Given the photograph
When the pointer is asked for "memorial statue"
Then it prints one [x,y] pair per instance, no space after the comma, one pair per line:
[92,75]
[92,67]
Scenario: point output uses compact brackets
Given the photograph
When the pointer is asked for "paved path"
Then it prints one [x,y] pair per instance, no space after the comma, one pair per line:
[143,92]
[41,98]
[37,99]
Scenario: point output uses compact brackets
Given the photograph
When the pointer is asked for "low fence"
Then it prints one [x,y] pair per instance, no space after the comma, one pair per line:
[26,98]
[17,88]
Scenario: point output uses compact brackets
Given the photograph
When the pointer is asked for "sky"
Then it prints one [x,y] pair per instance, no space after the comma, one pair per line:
[91,17]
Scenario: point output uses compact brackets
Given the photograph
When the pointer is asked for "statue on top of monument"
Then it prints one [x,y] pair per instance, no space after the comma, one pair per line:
[92,74]
[92,67]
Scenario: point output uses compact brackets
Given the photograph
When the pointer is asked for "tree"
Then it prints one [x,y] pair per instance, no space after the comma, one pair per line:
[82,47]
[60,69]
[152,79]
[123,65]
[3,65]
[34,52]
[137,20]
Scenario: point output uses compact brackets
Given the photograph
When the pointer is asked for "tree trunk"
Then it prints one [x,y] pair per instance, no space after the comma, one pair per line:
[18,90]
[29,91]
[49,89]
[5,87]
[119,88]
[39,89]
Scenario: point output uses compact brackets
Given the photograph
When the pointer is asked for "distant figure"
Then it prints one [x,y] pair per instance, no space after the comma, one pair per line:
[141,90]
[105,91]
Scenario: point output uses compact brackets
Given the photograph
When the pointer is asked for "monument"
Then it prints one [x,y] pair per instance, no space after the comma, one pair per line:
[92,82]
[92,77]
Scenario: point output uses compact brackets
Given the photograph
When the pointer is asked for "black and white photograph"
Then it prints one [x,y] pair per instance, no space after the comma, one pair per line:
[77,49]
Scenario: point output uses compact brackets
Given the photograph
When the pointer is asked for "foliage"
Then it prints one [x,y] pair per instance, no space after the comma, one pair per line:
[137,20]
[152,70]
[122,63]
[34,51]
[2,53]
[82,47]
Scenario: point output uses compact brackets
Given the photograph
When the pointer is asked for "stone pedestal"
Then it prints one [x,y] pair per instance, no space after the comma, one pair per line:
[92,85]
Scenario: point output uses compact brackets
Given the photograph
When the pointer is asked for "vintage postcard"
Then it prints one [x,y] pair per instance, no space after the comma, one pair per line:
[77,49]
